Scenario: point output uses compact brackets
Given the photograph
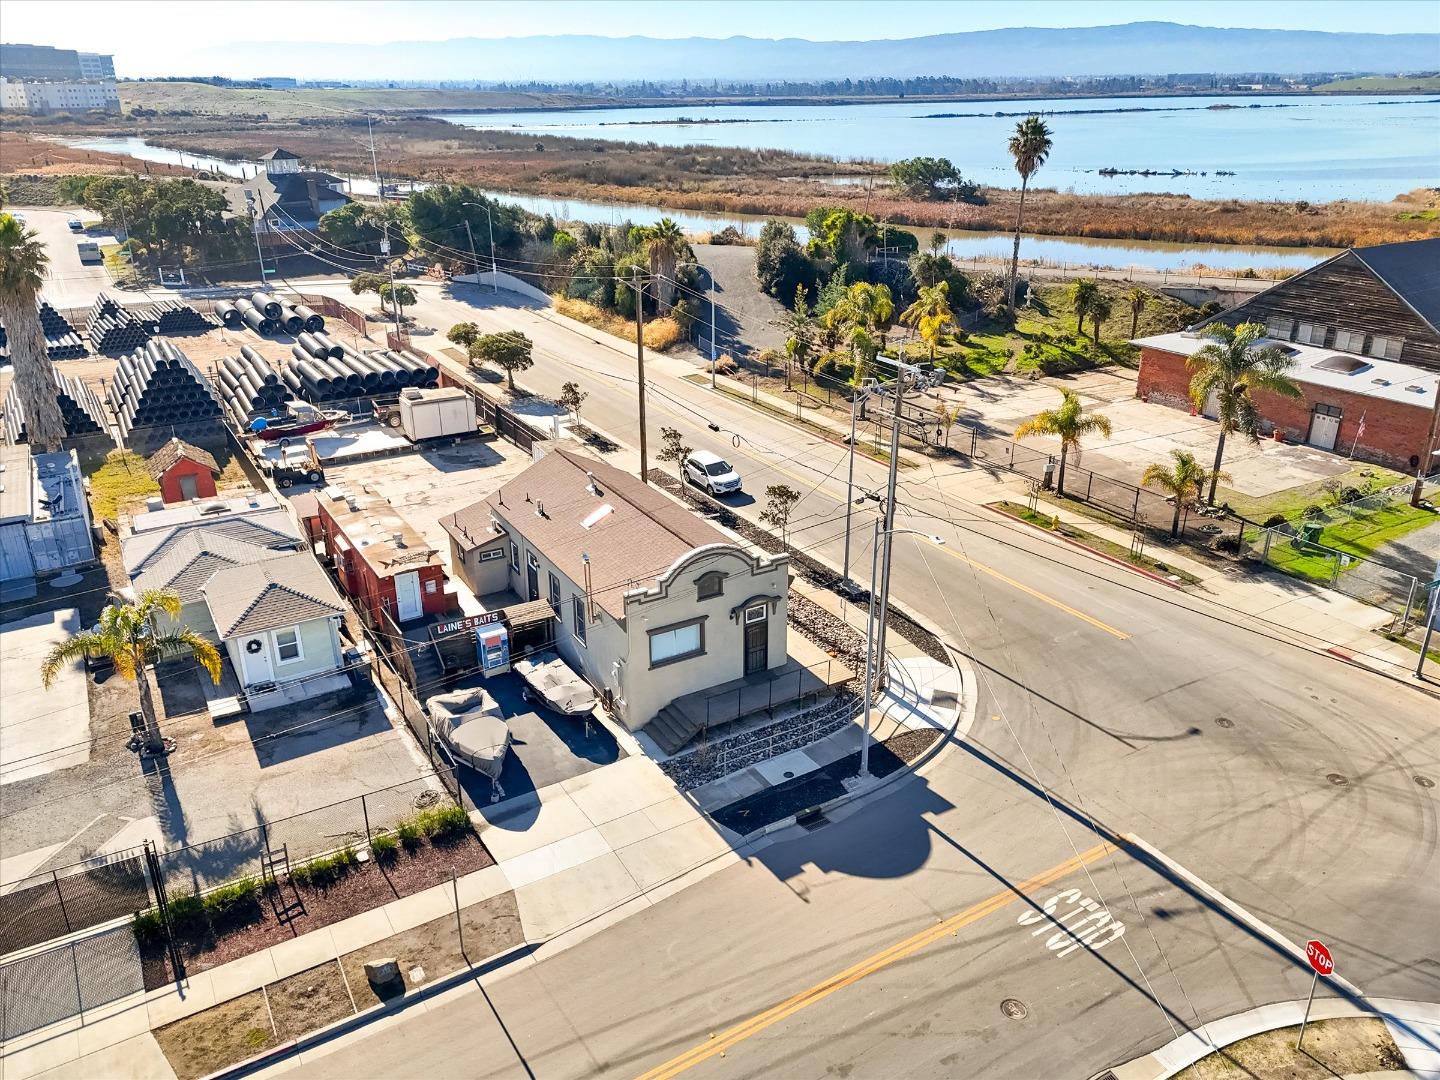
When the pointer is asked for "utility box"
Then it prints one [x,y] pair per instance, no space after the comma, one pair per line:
[435,413]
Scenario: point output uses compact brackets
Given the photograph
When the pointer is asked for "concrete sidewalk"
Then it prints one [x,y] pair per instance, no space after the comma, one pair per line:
[1415,1027]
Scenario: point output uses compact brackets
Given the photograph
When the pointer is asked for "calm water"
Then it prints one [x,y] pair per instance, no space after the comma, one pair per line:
[1288,148]
[963,245]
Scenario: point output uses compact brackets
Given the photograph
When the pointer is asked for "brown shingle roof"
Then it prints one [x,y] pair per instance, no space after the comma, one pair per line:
[269,595]
[158,463]
[632,542]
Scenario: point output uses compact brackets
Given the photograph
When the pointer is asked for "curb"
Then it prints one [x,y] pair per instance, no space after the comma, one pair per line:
[1087,548]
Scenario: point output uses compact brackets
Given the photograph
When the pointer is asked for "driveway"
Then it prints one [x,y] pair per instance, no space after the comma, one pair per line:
[745,316]
[69,283]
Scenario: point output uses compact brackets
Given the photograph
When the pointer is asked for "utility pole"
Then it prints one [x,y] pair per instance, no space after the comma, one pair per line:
[1429,624]
[255,228]
[890,517]
[490,222]
[710,280]
[1428,453]
[638,284]
[474,259]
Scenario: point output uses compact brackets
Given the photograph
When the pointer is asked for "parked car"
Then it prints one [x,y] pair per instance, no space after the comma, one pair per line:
[76,225]
[711,472]
[89,251]
[288,474]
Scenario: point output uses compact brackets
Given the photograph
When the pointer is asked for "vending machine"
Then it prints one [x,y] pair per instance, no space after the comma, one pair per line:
[493,643]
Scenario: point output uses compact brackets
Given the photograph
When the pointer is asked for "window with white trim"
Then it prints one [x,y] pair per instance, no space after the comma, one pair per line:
[1279,327]
[577,611]
[554,593]
[1311,333]
[672,643]
[755,614]
[287,646]
[496,553]
[514,555]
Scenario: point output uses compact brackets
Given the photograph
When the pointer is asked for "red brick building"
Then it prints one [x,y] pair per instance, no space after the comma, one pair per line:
[1361,328]
[383,564]
[184,472]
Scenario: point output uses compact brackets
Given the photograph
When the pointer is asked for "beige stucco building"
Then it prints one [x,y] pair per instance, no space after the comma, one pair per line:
[652,603]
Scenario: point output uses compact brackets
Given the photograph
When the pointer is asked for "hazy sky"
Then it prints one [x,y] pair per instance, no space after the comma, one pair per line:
[155,37]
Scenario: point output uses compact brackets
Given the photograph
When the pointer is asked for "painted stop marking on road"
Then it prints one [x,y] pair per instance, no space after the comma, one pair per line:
[1319,957]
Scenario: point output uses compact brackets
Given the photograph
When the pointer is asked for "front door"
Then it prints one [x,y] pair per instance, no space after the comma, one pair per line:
[757,647]
[255,661]
[407,597]
[1324,427]
[532,577]
[187,487]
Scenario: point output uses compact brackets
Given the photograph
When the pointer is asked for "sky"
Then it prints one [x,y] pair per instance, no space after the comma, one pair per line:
[155,37]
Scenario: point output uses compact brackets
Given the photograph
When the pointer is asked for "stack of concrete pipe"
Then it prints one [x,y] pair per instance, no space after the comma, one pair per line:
[249,385]
[228,314]
[112,328]
[159,385]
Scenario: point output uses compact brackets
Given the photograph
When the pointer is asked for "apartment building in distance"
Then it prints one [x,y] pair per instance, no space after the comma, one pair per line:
[39,79]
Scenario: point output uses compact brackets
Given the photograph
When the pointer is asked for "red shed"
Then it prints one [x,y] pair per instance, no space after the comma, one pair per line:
[382,562]
[184,472]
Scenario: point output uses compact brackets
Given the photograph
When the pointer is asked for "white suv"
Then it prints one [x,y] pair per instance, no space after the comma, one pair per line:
[711,472]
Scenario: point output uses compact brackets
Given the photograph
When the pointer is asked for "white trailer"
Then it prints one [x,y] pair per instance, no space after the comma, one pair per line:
[436,413]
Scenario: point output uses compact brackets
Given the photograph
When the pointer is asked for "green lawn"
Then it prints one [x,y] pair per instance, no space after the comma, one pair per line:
[1290,502]
[121,481]
[1360,536]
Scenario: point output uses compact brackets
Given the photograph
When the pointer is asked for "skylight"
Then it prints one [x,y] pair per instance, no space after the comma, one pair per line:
[599,514]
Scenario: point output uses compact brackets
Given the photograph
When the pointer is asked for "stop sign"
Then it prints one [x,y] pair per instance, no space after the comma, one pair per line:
[1319,957]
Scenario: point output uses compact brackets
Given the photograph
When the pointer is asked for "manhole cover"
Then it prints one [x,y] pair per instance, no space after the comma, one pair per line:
[1224,721]
[1424,781]
[1014,1008]
[1336,779]
[789,775]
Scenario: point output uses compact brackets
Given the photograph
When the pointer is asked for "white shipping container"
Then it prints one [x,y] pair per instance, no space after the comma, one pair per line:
[435,413]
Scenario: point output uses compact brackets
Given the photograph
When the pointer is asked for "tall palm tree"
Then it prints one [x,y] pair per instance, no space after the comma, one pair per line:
[1083,294]
[665,244]
[127,634]
[1100,310]
[1029,147]
[1137,298]
[1232,367]
[1184,480]
[22,270]
[862,317]
[930,313]
[1070,424]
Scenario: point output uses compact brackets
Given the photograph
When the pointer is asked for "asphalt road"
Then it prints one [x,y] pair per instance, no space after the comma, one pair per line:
[69,283]
[1109,705]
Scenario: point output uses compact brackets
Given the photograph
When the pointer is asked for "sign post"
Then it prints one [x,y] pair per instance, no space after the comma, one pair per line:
[1323,964]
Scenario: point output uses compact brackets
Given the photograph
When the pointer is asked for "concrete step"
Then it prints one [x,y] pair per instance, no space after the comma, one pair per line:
[671,730]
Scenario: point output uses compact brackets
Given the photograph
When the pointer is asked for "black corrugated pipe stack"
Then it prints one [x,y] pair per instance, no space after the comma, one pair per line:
[159,385]
[112,328]
[319,380]
[61,341]
[255,318]
[228,314]
[314,324]
[173,317]
[291,321]
[267,304]
[368,374]
[419,372]
[79,408]
[333,348]
[248,385]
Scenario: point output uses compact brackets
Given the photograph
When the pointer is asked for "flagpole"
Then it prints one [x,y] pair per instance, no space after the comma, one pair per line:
[1359,430]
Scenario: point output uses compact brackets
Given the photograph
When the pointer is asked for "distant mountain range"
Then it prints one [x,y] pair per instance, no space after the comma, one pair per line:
[1143,48]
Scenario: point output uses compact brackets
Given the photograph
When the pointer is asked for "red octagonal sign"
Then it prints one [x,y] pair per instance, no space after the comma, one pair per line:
[1319,957]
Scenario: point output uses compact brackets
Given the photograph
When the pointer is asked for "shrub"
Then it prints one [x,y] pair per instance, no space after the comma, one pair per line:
[661,334]
[147,927]
[409,834]
[230,901]
[186,909]
[835,371]
[443,822]
[1313,511]
[384,847]
[1274,521]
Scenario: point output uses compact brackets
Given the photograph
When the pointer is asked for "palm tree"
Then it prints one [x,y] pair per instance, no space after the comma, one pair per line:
[1137,298]
[665,245]
[1232,368]
[1100,310]
[1029,146]
[127,634]
[1068,424]
[863,316]
[930,313]
[22,269]
[1083,294]
[1184,480]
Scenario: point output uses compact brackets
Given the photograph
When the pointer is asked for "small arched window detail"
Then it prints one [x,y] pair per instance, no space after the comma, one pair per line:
[710,585]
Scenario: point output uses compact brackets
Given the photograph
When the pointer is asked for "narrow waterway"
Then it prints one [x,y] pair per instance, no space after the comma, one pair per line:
[964,246]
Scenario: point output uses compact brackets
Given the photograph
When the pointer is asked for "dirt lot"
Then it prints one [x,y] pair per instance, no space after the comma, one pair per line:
[432,950]
[207,1041]
[1332,1048]
[309,1000]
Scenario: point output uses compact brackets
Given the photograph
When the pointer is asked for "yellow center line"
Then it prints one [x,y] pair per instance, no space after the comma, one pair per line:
[1060,604]
[722,1042]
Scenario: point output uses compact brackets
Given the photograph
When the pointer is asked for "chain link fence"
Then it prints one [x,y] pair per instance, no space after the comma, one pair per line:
[50,986]
[73,898]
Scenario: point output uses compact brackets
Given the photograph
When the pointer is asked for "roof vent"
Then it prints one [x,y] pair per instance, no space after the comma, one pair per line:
[397,538]
[1346,365]
[214,508]
[593,487]
[539,508]
[1380,382]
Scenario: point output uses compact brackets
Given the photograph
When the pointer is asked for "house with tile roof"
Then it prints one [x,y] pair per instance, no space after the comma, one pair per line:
[183,472]
[279,623]
[651,603]
[1362,330]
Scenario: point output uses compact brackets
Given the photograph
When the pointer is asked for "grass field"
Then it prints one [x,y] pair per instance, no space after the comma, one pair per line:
[1290,502]
[1361,535]
[1380,84]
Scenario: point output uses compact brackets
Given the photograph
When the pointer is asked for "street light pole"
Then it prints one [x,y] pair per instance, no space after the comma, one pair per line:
[890,502]
[1428,452]
[474,259]
[638,284]
[490,222]
[710,281]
